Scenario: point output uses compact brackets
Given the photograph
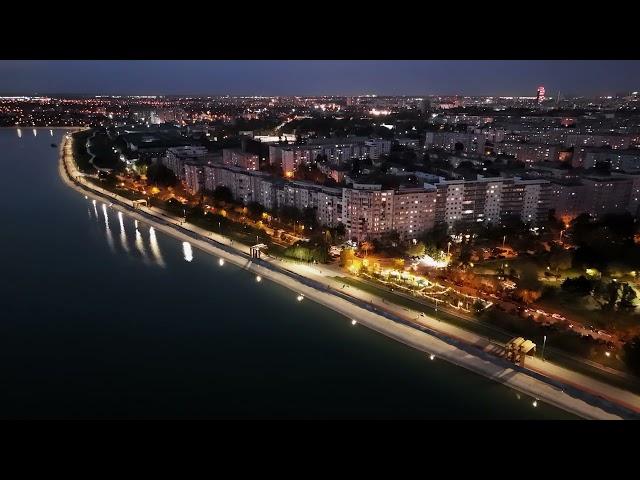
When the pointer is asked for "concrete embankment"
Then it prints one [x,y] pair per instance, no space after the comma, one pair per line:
[420,337]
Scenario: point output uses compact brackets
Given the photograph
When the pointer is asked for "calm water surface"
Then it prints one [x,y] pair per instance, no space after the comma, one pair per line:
[102,320]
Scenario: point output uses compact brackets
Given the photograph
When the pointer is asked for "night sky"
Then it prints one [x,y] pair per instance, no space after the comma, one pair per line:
[311,77]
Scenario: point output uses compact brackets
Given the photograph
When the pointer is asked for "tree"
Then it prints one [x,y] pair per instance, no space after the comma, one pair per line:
[465,254]
[289,214]
[310,218]
[346,257]
[581,285]
[223,194]
[459,147]
[416,250]
[307,253]
[529,288]
[255,210]
[528,296]
[528,276]
[367,247]
[610,294]
[627,297]
[478,306]
[632,354]
[160,175]
[559,258]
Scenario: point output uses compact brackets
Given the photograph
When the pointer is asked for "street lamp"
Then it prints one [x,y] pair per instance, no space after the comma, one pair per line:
[544,342]
[504,239]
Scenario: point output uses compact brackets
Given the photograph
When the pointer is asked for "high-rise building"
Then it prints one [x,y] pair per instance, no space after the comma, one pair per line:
[239,158]
[540,96]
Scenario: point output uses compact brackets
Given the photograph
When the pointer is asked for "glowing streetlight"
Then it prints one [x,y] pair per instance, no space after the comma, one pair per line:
[608,354]
[432,357]
[300,297]
[221,262]
[535,403]
[258,278]
[353,322]
[544,342]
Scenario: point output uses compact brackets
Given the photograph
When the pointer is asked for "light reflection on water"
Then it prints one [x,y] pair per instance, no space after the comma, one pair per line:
[140,246]
[123,233]
[155,248]
[187,251]
[107,229]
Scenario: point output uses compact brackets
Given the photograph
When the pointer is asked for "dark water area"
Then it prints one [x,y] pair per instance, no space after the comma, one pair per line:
[100,319]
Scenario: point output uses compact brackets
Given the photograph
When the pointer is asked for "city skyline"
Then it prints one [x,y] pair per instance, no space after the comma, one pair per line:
[182,253]
[319,77]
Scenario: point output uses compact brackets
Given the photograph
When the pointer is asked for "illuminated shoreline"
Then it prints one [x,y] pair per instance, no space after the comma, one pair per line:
[434,343]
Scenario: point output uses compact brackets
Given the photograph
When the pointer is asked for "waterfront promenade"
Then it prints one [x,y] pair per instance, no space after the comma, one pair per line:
[547,382]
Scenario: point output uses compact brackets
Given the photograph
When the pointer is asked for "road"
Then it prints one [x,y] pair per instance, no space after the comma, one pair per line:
[544,381]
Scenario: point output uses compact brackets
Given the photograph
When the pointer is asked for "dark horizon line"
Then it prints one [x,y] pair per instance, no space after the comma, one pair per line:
[549,95]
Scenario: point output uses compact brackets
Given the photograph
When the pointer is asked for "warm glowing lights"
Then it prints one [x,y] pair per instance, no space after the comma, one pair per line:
[258,278]
[300,297]
[429,261]
[353,322]
[221,262]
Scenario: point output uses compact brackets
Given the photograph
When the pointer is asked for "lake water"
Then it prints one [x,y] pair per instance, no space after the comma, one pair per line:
[102,321]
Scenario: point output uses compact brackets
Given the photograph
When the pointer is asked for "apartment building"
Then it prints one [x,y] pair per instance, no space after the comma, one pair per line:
[623,160]
[250,186]
[471,142]
[368,211]
[527,152]
[337,151]
[414,211]
[463,201]
[194,177]
[176,157]
[237,158]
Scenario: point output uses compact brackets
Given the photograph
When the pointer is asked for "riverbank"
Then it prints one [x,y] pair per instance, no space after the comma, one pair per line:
[459,348]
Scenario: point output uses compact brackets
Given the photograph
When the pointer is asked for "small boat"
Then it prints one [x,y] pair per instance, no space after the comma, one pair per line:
[54,145]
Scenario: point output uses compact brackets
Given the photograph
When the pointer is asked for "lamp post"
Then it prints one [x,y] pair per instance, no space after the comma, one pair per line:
[504,239]
[544,342]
